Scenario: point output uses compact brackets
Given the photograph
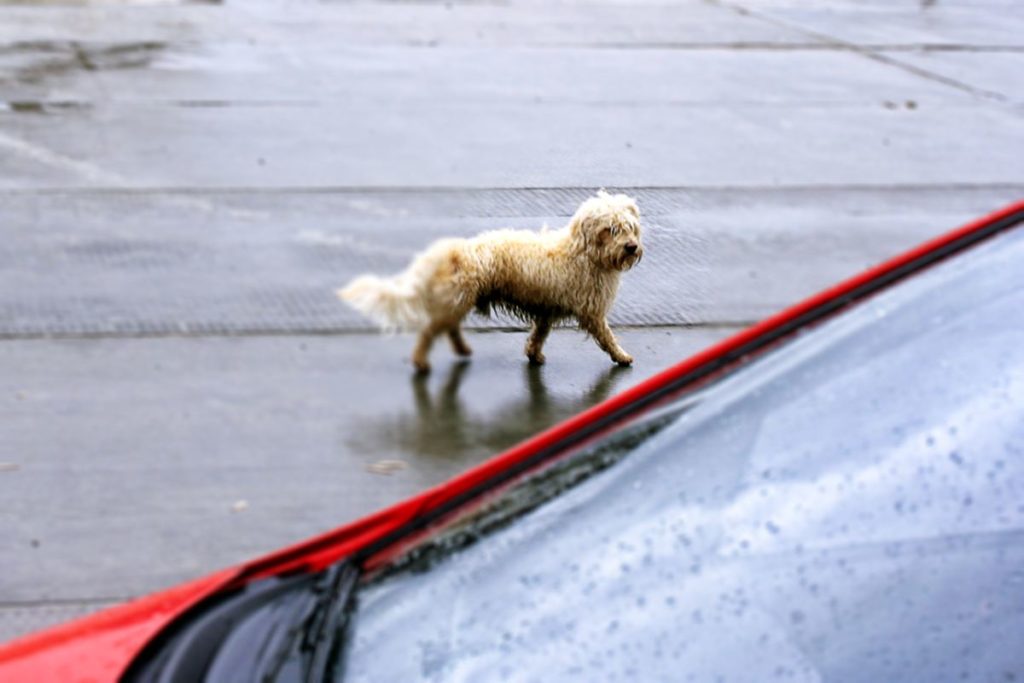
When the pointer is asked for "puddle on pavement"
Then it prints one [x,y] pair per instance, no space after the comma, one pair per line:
[41,107]
[445,425]
[33,62]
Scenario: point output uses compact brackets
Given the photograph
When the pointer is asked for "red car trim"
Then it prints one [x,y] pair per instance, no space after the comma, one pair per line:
[100,647]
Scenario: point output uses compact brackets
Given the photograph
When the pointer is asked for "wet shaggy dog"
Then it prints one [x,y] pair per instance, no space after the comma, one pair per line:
[540,277]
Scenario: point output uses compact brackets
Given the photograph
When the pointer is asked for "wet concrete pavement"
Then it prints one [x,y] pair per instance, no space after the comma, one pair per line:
[182,186]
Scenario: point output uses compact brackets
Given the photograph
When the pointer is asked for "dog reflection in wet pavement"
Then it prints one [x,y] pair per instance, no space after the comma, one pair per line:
[442,427]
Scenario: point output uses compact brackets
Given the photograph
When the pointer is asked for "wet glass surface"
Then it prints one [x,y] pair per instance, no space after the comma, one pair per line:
[850,508]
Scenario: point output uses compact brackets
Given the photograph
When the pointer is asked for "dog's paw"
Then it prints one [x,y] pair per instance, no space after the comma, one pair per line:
[459,345]
[536,358]
[422,366]
[623,360]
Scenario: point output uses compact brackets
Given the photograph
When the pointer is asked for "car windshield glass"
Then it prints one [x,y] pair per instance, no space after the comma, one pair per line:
[847,507]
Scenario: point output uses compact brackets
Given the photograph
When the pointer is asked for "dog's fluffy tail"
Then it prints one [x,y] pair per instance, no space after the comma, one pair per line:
[393,303]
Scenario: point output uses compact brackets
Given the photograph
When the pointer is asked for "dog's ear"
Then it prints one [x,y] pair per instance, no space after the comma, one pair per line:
[580,229]
[586,223]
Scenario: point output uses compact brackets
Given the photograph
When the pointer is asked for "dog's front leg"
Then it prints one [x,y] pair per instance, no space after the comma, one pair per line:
[535,342]
[597,327]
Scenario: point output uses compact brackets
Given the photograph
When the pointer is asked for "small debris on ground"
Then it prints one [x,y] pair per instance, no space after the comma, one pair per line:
[386,466]
[240,506]
[9,466]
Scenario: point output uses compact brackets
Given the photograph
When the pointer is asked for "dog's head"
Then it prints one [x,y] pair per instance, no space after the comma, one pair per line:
[607,229]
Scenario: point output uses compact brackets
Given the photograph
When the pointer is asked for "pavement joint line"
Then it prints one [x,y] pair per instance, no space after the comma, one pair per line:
[339,332]
[76,51]
[831,46]
[939,78]
[94,104]
[466,189]
[864,51]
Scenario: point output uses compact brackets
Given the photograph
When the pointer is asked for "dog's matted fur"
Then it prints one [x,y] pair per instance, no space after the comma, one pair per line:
[540,277]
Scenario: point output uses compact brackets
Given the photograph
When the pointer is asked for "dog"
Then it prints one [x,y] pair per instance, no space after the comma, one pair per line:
[539,277]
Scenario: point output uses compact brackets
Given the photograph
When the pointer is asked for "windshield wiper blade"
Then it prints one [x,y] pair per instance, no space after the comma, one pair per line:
[275,630]
[328,620]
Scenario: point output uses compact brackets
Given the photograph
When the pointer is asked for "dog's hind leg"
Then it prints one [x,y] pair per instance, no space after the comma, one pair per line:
[459,345]
[423,344]
[597,327]
[535,342]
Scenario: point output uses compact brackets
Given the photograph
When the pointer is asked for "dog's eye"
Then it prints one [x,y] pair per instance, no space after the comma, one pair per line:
[614,230]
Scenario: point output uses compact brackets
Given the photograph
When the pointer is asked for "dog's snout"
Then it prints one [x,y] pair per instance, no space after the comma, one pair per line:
[631,247]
